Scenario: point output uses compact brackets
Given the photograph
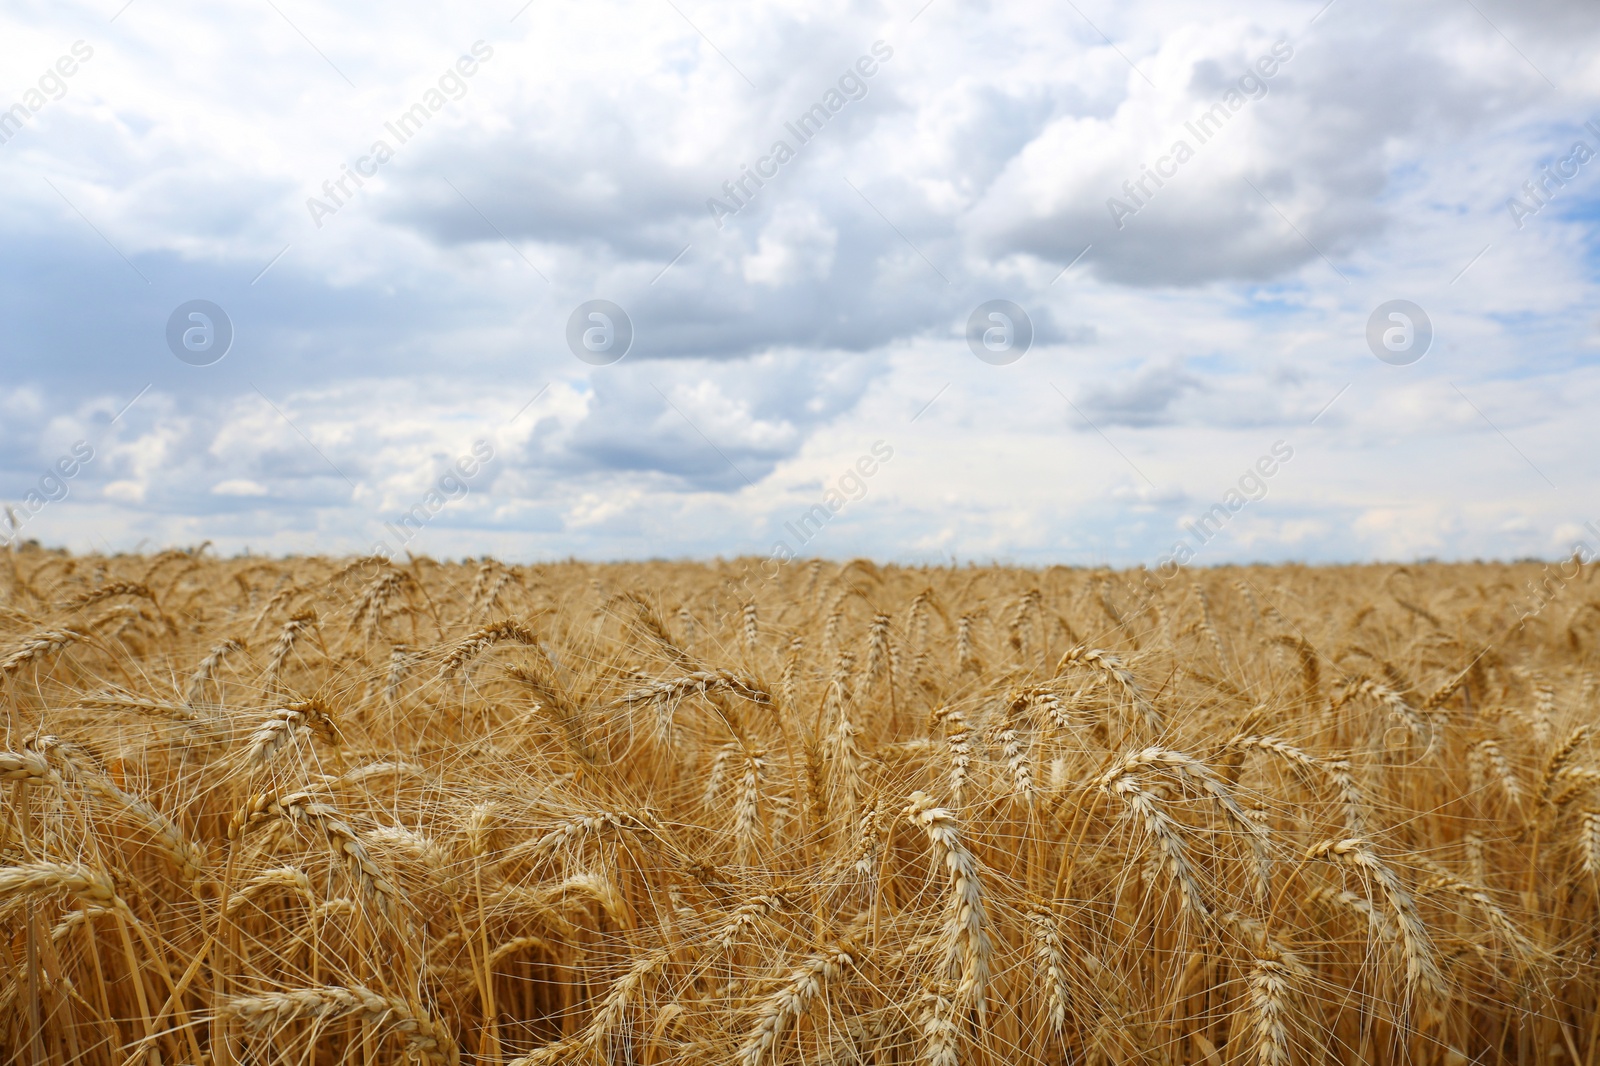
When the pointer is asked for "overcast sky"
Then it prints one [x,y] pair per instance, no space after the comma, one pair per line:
[1312,164]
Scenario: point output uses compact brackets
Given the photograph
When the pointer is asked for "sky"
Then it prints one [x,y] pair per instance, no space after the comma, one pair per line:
[1092,283]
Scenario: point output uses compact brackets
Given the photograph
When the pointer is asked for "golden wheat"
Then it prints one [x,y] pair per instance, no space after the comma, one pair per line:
[660,812]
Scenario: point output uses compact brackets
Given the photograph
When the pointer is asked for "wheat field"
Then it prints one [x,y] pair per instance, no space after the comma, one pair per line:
[315,811]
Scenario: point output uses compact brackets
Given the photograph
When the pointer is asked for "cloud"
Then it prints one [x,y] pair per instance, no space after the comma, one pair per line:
[1262,174]
[797,243]
[711,425]
[239,486]
[1205,315]
[1146,399]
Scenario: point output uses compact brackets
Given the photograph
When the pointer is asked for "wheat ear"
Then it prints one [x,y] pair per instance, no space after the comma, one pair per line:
[1269,1004]
[481,640]
[273,1010]
[966,938]
[44,878]
[1424,982]
[793,1001]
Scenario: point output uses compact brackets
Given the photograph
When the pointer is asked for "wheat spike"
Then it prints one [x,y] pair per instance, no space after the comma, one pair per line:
[272,1010]
[43,878]
[792,1002]
[1423,980]
[967,943]
[482,639]
[44,643]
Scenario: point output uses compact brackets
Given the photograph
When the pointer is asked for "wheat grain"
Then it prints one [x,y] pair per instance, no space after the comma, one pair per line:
[673,690]
[752,630]
[1559,759]
[1193,770]
[750,914]
[1543,713]
[26,766]
[1051,957]
[1487,750]
[1015,744]
[301,808]
[148,706]
[82,916]
[187,857]
[1589,842]
[374,600]
[941,1037]
[880,654]
[1145,806]
[747,812]
[1498,920]
[1109,666]
[1337,771]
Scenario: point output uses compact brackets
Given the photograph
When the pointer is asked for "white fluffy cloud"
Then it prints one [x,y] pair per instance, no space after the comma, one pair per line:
[1198,214]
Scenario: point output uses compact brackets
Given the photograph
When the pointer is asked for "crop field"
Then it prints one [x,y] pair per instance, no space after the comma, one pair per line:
[315,811]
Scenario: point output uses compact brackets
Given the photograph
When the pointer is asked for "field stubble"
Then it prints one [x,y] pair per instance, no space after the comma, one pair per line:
[323,811]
